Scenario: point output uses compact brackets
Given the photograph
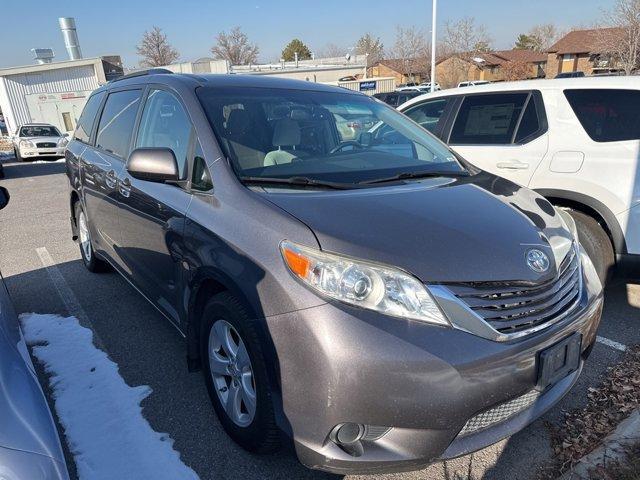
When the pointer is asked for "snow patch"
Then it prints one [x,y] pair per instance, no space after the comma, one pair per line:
[101,415]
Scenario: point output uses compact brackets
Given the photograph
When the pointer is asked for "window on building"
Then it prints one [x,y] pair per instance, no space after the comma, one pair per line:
[607,115]
[165,124]
[88,117]
[117,122]
[488,119]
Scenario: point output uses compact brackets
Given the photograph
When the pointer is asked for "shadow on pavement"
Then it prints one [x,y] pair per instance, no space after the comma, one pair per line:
[13,169]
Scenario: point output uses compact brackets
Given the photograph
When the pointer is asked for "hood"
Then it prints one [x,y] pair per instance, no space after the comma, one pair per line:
[41,139]
[472,229]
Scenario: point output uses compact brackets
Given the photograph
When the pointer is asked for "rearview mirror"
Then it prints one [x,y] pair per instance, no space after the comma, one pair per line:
[153,165]
[4,197]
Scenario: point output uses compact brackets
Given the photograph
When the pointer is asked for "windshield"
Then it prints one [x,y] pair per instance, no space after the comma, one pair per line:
[39,131]
[324,136]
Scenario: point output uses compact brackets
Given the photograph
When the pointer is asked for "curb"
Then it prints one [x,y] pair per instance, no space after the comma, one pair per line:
[614,447]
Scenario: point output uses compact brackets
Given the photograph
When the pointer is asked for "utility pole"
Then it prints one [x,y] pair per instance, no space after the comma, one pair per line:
[433,46]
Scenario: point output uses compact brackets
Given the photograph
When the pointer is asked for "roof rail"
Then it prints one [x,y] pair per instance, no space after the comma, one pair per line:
[140,73]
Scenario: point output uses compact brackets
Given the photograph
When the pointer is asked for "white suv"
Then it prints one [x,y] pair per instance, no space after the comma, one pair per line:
[575,141]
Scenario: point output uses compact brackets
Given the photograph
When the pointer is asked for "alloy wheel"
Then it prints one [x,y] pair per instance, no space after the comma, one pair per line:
[232,373]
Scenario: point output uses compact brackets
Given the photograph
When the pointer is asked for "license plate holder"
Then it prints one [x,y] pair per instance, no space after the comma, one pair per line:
[559,360]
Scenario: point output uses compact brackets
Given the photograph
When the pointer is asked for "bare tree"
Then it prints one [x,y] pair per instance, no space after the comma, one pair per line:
[331,50]
[235,48]
[370,46]
[543,36]
[516,70]
[412,48]
[463,41]
[622,42]
[410,43]
[155,50]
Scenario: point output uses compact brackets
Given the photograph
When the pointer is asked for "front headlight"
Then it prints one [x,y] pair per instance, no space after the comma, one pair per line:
[375,287]
[27,144]
[63,142]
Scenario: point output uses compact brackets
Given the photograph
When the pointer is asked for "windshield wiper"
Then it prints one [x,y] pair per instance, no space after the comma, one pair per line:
[410,175]
[298,181]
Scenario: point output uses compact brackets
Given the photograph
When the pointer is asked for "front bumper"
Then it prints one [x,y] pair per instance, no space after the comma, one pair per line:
[339,364]
[42,152]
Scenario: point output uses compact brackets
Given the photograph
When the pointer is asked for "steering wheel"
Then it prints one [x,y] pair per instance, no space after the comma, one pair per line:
[346,143]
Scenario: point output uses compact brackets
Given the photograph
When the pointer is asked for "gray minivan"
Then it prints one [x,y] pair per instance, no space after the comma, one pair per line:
[367,293]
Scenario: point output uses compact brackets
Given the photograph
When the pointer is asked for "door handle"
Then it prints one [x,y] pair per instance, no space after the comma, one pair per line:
[111,179]
[513,165]
[125,187]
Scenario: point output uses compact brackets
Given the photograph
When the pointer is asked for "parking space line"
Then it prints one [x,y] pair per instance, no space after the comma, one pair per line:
[610,343]
[67,296]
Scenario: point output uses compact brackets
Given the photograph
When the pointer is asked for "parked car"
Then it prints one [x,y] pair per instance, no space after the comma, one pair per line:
[570,75]
[378,299]
[426,87]
[397,98]
[348,78]
[29,443]
[38,140]
[473,83]
[408,84]
[576,142]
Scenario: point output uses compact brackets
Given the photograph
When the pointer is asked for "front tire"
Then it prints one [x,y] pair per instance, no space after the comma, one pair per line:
[16,153]
[89,258]
[235,372]
[596,243]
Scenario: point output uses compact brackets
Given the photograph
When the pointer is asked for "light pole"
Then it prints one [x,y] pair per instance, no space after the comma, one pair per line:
[433,46]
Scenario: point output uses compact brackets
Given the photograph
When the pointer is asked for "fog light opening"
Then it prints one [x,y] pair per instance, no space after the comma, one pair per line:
[347,436]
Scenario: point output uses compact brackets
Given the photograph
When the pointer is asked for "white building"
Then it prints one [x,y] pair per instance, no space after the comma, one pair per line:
[53,93]
[348,71]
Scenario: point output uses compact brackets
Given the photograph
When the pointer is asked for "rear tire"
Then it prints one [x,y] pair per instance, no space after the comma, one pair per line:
[254,429]
[89,258]
[596,243]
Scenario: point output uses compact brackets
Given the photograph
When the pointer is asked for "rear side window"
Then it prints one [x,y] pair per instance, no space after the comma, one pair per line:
[428,114]
[607,115]
[88,117]
[117,122]
[488,119]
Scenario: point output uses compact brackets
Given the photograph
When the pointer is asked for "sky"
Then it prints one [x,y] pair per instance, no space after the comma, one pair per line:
[115,27]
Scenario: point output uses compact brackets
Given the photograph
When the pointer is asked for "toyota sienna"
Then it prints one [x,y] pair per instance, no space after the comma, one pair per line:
[376,299]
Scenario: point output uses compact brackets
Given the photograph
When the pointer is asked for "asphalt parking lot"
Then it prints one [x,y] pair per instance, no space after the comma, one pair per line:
[41,266]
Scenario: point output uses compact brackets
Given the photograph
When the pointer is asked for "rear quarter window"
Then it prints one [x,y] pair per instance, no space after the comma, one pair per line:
[88,117]
[607,115]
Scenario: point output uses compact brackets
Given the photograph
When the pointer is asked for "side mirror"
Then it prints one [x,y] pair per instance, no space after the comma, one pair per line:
[153,165]
[4,197]
[66,134]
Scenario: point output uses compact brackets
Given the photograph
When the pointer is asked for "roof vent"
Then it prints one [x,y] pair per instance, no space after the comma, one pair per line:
[71,42]
[43,55]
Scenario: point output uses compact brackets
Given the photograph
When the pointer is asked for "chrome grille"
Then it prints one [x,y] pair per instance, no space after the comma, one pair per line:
[499,413]
[46,145]
[516,307]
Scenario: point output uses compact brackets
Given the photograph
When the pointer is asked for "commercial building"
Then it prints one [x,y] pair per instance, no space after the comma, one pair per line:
[53,93]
